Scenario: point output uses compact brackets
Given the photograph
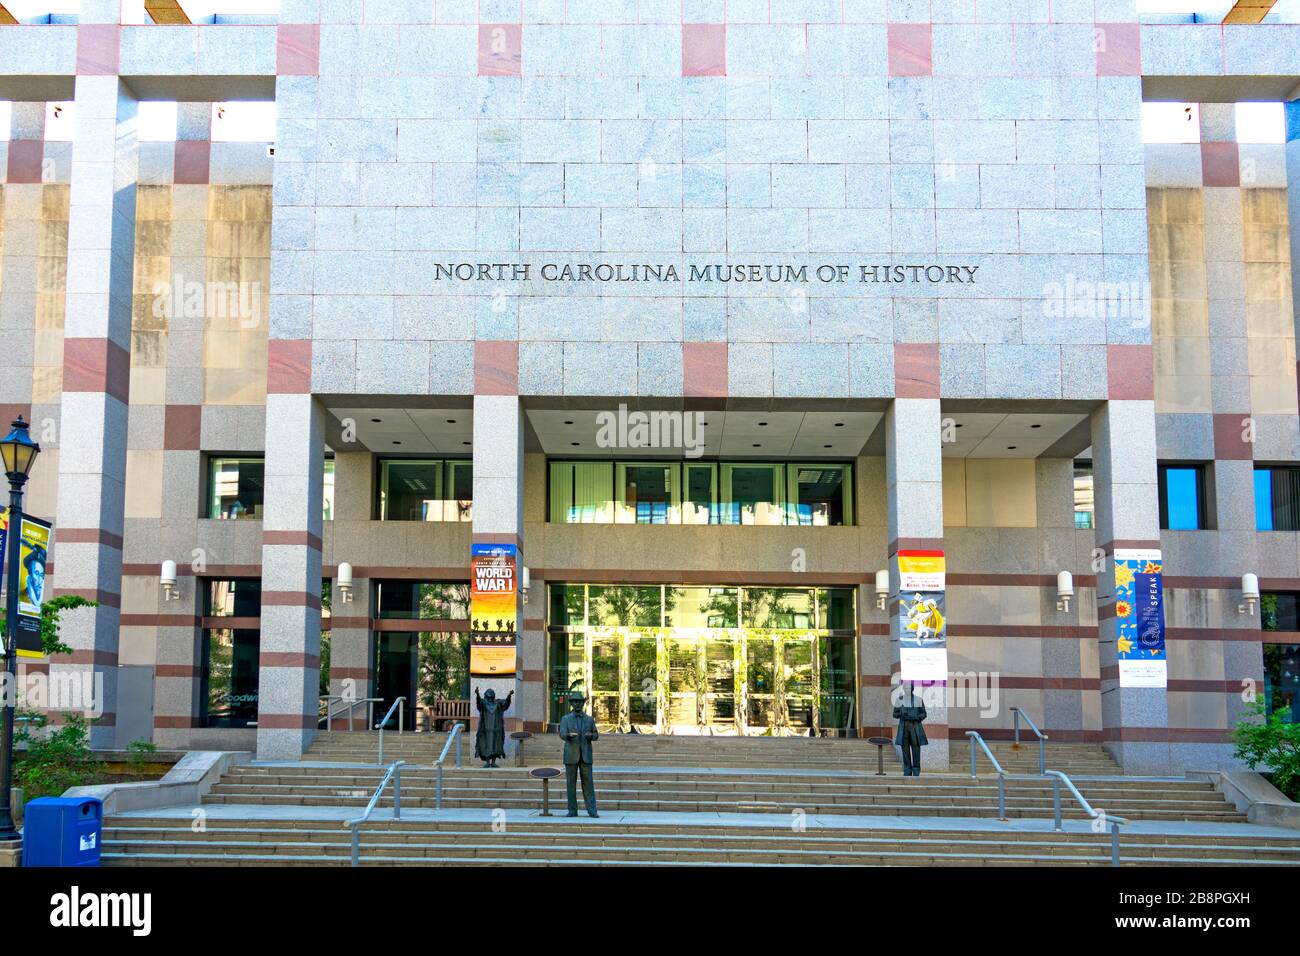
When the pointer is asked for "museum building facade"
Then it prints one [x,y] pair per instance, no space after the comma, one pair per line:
[697,316]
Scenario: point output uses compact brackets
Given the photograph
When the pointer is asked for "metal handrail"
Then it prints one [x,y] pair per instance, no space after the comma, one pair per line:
[395,774]
[453,736]
[399,705]
[975,738]
[1115,822]
[1016,714]
[352,703]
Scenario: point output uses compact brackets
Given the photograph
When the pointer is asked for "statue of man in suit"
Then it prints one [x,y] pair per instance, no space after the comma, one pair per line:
[910,713]
[578,730]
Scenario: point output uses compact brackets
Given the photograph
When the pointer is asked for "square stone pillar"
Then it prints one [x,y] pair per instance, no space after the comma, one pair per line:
[96,383]
[914,483]
[499,519]
[1134,720]
[350,636]
[289,658]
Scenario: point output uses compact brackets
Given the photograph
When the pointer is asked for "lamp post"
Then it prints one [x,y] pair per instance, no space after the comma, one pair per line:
[18,452]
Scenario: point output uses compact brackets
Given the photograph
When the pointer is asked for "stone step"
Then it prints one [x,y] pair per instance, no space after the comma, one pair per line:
[983,809]
[141,838]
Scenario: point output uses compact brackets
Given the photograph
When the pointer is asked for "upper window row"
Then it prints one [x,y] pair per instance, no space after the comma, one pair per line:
[1185,497]
[409,489]
[675,492]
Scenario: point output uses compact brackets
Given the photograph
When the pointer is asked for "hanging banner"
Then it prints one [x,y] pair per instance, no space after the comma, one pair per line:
[33,555]
[923,636]
[920,571]
[493,609]
[1140,614]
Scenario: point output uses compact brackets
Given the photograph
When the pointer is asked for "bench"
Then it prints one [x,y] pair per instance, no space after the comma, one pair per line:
[444,712]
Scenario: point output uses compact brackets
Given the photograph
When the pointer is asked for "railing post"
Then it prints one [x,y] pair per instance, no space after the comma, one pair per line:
[397,792]
[1114,844]
[972,756]
[1015,723]
[356,845]
[1002,796]
[401,715]
[460,740]
[1042,756]
[438,792]
[381,743]
[1056,802]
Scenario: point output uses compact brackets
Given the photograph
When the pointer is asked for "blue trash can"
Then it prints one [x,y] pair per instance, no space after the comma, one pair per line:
[62,831]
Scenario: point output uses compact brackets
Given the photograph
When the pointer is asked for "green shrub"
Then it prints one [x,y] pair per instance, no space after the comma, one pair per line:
[55,761]
[1271,743]
[141,752]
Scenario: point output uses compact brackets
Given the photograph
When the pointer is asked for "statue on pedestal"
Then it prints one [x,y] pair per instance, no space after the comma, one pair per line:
[490,741]
[911,734]
[578,730]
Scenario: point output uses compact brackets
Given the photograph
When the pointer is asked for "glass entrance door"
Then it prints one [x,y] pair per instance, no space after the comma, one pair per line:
[396,655]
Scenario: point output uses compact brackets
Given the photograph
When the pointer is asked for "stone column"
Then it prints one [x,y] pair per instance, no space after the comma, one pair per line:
[96,382]
[289,659]
[498,494]
[1134,720]
[350,641]
[914,483]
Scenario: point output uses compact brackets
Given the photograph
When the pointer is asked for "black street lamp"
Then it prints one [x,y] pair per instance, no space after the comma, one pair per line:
[18,453]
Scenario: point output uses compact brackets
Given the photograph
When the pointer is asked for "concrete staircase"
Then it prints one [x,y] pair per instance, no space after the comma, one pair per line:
[1072,759]
[169,841]
[361,746]
[649,750]
[757,790]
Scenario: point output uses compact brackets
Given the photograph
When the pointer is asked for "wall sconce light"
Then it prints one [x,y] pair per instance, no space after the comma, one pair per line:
[167,578]
[1064,590]
[882,589]
[524,583]
[345,582]
[1249,593]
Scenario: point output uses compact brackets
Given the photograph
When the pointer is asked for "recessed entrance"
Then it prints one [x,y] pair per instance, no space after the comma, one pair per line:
[723,680]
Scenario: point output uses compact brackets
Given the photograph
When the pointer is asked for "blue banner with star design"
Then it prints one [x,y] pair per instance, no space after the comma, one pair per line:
[1140,615]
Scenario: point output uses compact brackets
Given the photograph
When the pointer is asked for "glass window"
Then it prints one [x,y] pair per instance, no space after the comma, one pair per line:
[1083,496]
[1182,497]
[777,607]
[422,600]
[1282,679]
[701,607]
[1279,611]
[835,609]
[822,494]
[327,498]
[647,493]
[700,494]
[753,494]
[1277,499]
[460,491]
[229,676]
[582,492]
[410,490]
[236,487]
[568,605]
[624,605]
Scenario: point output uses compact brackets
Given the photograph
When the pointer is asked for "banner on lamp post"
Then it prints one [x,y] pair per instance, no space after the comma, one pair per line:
[922,616]
[33,556]
[1140,616]
[493,609]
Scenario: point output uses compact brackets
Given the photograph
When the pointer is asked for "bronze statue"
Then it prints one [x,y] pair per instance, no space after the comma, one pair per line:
[490,741]
[578,730]
[911,735]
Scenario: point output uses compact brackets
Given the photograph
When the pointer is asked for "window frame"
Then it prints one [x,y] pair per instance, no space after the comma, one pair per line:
[1202,493]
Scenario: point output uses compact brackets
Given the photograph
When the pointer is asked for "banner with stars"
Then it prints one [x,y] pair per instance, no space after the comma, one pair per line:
[1140,614]
[493,609]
